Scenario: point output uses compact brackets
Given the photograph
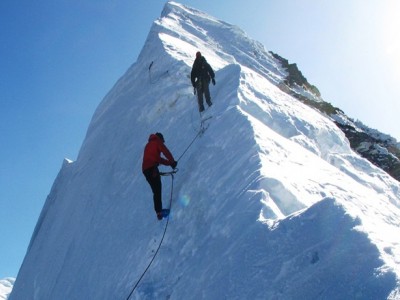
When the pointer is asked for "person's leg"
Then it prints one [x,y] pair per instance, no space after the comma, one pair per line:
[154,179]
[157,188]
[207,93]
[200,99]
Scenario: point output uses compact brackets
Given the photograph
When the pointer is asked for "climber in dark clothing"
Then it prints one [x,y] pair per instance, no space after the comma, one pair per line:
[151,160]
[201,75]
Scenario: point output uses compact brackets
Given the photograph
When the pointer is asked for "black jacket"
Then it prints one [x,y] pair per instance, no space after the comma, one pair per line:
[201,70]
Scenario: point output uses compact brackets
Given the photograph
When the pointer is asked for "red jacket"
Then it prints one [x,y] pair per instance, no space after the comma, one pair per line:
[152,153]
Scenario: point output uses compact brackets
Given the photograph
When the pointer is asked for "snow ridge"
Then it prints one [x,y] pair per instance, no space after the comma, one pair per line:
[269,203]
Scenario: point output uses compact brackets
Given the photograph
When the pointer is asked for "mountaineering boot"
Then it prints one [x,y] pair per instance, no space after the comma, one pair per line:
[201,108]
[209,103]
[165,213]
[160,215]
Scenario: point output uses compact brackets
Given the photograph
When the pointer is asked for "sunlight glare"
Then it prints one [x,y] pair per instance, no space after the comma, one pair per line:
[184,200]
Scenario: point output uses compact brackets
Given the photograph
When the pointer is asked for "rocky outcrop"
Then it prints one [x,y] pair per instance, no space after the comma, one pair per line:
[380,149]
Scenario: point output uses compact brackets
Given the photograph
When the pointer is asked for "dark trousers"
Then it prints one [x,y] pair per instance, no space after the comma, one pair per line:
[203,88]
[154,179]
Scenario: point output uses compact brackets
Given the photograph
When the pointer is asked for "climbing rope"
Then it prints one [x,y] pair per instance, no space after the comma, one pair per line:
[165,230]
[187,148]
[199,133]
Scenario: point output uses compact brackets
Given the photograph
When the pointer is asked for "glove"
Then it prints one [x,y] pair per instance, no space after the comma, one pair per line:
[213,81]
[174,164]
[194,90]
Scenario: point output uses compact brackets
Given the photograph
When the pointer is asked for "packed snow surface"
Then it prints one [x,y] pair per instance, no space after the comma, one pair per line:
[270,202]
[6,286]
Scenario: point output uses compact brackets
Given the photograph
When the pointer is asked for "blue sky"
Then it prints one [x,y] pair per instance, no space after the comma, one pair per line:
[60,58]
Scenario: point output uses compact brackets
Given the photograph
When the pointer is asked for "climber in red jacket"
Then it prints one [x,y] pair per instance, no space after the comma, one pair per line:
[151,160]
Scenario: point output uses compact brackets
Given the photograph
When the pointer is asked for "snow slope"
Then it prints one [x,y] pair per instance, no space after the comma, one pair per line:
[6,286]
[269,203]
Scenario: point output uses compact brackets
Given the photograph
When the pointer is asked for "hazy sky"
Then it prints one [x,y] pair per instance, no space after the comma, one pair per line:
[59,58]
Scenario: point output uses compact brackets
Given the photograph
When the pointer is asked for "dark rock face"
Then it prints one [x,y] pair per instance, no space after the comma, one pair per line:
[380,152]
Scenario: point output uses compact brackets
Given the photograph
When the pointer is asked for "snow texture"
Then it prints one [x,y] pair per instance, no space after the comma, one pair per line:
[269,203]
[6,286]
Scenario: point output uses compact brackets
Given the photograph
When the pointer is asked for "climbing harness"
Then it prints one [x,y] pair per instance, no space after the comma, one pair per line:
[165,230]
[174,171]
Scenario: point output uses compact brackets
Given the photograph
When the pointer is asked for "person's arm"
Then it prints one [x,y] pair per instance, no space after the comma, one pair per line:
[193,76]
[210,71]
[169,161]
